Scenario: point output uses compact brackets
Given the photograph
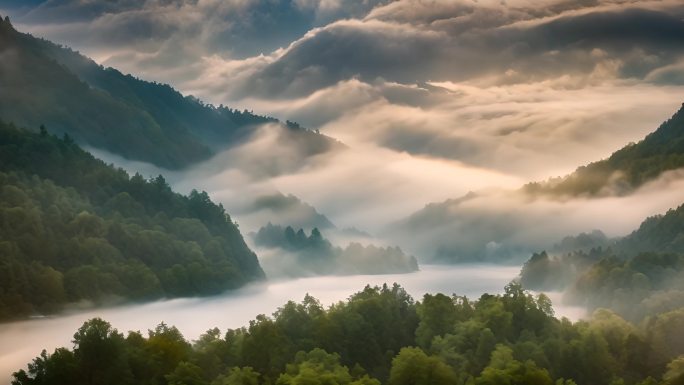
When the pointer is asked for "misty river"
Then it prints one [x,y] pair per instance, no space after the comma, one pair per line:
[22,341]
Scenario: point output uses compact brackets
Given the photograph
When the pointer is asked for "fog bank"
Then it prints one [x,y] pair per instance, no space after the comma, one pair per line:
[21,341]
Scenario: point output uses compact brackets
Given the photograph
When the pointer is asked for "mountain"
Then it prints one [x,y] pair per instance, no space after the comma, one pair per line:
[502,225]
[660,233]
[638,275]
[626,169]
[280,208]
[298,254]
[75,230]
[46,84]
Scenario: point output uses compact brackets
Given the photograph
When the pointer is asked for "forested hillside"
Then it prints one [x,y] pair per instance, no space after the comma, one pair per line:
[627,168]
[315,255]
[638,275]
[43,83]
[75,229]
[380,335]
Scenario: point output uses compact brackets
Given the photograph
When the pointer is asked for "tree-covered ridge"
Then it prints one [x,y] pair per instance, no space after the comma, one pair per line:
[638,275]
[636,288]
[73,228]
[627,168]
[381,336]
[314,254]
[44,83]
[659,233]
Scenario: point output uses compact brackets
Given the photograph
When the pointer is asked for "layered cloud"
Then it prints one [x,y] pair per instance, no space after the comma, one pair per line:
[434,98]
[306,45]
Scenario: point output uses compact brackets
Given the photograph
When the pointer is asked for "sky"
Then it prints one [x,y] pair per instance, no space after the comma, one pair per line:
[433,98]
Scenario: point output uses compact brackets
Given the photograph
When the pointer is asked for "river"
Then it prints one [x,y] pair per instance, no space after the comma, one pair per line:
[22,341]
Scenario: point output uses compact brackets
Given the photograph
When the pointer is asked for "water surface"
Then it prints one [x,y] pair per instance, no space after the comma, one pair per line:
[21,341]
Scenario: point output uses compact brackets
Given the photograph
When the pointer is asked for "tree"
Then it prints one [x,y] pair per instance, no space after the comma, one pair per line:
[319,368]
[503,369]
[186,373]
[58,368]
[413,367]
[100,352]
[238,376]
[437,315]
[675,372]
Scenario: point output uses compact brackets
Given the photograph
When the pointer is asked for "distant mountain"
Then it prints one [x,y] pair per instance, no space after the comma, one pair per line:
[464,230]
[289,209]
[73,230]
[627,169]
[303,255]
[636,275]
[46,84]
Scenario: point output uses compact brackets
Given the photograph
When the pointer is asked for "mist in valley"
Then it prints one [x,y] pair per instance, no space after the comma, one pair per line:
[194,316]
[404,140]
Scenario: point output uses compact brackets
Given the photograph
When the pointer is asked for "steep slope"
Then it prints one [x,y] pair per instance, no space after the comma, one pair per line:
[659,233]
[46,84]
[503,225]
[75,229]
[627,168]
[636,276]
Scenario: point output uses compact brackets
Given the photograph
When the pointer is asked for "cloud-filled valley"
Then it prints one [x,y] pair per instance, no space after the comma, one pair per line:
[212,163]
[429,99]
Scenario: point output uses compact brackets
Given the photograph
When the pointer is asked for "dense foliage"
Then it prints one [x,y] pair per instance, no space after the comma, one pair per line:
[627,168]
[314,254]
[636,287]
[44,83]
[73,228]
[659,233]
[380,335]
[638,275]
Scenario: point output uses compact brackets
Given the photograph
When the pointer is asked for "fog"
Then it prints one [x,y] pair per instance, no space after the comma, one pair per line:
[442,110]
[449,97]
[388,194]
[509,225]
[193,316]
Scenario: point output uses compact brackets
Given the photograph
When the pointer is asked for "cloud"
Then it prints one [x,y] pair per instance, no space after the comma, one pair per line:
[502,225]
[418,48]
[236,28]
[287,210]
[433,98]
[533,130]
[670,74]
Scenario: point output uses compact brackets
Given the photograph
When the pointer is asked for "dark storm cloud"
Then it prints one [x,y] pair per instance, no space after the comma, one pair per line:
[328,41]
[641,39]
[238,28]
[347,49]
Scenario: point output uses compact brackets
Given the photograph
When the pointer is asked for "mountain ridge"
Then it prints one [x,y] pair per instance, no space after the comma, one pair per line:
[75,229]
[48,84]
[626,169]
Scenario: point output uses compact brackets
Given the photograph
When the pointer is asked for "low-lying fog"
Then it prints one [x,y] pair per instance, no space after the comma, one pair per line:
[22,341]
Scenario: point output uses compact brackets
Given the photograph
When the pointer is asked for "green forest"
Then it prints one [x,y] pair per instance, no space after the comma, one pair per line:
[512,338]
[75,229]
[626,169]
[103,108]
[638,275]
